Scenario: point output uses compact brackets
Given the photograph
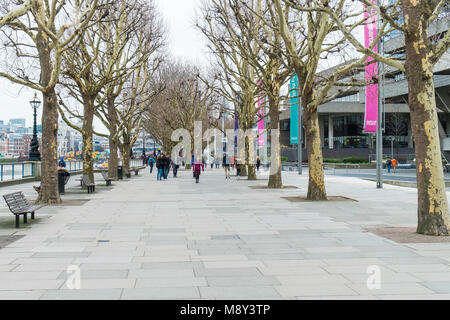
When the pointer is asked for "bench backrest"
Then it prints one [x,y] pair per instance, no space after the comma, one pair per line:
[86,180]
[16,202]
[105,176]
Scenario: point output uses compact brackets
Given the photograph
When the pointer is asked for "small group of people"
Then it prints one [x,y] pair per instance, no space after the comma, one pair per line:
[391,164]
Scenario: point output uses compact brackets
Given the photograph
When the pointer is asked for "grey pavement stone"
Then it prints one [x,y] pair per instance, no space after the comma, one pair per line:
[242,281]
[441,287]
[392,289]
[160,282]
[239,292]
[227,272]
[330,289]
[215,242]
[161,293]
[103,294]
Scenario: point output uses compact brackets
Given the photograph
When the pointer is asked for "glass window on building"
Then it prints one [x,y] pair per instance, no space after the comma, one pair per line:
[348,132]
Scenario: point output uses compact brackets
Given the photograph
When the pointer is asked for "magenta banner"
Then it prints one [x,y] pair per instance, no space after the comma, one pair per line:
[370,33]
[260,105]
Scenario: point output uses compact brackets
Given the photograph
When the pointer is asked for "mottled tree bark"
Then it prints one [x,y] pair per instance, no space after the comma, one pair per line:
[275,179]
[49,182]
[87,135]
[433,210]
[113,162]
[316,185]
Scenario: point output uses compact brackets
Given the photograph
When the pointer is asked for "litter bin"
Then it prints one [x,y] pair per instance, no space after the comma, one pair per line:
[61,180]
[120,172]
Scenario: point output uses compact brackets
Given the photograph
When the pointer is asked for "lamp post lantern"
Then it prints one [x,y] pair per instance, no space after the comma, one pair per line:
[35,155]
[143,144]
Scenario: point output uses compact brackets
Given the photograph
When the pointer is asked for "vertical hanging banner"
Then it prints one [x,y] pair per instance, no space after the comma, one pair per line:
[370,33]
[260,106]
[293,93]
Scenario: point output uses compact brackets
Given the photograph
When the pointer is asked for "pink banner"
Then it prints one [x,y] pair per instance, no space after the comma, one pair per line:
[370,33]
[260,105]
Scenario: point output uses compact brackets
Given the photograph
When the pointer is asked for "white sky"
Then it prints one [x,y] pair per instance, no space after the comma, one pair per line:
[184,42]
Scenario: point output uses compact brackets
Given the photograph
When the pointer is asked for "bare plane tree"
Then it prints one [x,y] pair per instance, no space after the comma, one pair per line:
[423,50]
[34,36]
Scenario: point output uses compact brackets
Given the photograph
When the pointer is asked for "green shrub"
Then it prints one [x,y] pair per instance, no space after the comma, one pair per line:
[355,160]
[331,160]
[284,159]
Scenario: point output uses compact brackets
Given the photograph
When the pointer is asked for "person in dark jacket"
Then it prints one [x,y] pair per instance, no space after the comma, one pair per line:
[226,165]
[160,167]
[167,161]
[151,163]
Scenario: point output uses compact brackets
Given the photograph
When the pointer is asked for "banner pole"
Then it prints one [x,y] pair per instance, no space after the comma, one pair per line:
[380,113]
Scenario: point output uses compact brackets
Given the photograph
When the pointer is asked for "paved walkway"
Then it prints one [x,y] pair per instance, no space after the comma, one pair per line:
[220,239]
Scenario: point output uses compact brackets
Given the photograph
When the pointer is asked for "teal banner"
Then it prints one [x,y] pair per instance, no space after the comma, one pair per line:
[293,93]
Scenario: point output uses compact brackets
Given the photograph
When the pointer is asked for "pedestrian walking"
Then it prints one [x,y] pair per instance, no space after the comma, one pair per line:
[151,163]
[389,165]
[394,165]
[159,167]
[166,161]
[197,168]
[258,163]
[226,165]
[212,160]
[175,166]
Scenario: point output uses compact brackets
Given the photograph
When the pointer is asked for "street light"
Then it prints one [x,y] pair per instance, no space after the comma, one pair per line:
[35,155]
[143,144]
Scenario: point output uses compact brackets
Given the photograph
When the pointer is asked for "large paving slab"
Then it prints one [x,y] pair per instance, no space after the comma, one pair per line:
[220,239]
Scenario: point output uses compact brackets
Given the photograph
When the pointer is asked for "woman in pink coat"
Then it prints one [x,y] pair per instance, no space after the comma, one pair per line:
[198,167]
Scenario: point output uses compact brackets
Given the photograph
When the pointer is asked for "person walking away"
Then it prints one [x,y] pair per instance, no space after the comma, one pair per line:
[166,160]
[394,165]
[151,163]
[197,168]
[238,169]
[389,165]
[159,167]
[212,162]
[226,165]
[258,163]
[175,166]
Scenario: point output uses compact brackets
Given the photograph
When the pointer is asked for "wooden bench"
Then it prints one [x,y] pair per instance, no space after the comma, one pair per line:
[86,181]
[106,178]
[136,170]
[18,205]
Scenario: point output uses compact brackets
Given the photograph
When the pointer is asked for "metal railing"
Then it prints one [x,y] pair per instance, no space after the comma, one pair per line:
[16,171]
[73,166]
[24,170]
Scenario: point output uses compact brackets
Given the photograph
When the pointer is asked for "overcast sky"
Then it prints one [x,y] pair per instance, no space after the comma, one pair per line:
[184,42]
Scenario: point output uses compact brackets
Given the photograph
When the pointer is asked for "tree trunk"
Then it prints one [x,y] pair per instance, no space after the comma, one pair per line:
[87,135]
[49,152]
[126,159]
[249,160]
[275,179]
[49,182]
[113,162]
[433,213]
[316,185]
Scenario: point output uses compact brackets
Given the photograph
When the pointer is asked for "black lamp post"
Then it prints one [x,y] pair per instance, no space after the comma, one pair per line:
[35,155]
[143,144]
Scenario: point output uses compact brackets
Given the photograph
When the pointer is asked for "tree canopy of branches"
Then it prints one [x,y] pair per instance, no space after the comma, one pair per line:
[34,36]
[184,100]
